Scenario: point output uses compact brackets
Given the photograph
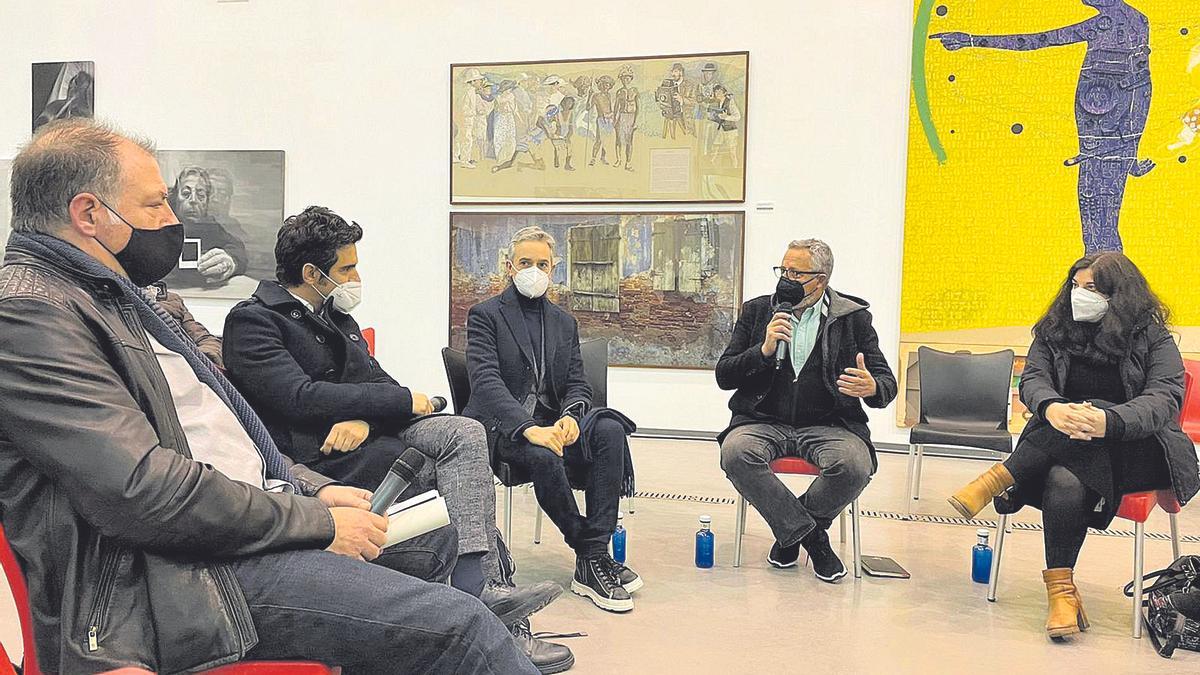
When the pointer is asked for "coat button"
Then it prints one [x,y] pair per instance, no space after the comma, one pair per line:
[321,339]
[354,336]
[296,314]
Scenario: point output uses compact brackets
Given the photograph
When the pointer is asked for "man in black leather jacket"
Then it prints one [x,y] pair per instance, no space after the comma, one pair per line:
[149,539]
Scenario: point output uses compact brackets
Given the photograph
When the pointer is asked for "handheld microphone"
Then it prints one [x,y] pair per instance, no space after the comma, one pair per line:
[781,347]
[438,403]
[399,477]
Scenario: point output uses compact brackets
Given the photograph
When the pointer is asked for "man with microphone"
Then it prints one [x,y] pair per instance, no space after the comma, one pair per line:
[800,361]
[296,353]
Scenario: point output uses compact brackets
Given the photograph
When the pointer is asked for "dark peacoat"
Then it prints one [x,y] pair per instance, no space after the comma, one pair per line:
[304,373]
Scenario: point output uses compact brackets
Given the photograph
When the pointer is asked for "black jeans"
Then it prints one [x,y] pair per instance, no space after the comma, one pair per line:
[586,535]
[1067,504]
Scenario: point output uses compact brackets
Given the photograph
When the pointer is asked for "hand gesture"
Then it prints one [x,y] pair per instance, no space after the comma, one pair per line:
[779,330]
[357,533]
[569,429]
[216,265]
[953,41]
[857,382]
[1141,168]
[547,437]
[1071,419]
[421,404]
[346,436]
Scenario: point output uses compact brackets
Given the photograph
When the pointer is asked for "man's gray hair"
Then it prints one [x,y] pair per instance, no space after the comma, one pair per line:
[822,255]
[64,159]
[531,233]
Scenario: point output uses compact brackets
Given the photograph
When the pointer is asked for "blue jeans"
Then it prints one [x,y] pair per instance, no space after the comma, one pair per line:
[366,618]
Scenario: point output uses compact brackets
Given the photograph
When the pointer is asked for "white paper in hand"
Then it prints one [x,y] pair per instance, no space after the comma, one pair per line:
[413,517]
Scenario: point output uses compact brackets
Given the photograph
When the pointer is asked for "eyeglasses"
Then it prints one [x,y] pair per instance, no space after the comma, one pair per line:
[794,275]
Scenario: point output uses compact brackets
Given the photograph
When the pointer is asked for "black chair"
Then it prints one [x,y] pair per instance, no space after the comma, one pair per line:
[595,366]
[964,403]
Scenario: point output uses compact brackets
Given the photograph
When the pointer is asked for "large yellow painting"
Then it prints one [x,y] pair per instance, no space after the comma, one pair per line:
[1041,129]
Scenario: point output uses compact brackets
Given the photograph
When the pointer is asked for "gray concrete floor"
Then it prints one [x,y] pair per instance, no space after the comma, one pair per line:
[756,619]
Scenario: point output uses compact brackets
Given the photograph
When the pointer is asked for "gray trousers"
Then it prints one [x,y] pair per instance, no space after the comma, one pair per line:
[457,452]
[844,460]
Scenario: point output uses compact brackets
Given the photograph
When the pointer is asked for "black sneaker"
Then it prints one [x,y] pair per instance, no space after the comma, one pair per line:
[826,564]
[513,603]
[629,579]
[783,557]
[593,579]
[547,657]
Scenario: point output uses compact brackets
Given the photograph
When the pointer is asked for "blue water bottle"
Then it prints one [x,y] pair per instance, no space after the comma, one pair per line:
[618,540]
[981,559]
[704,543]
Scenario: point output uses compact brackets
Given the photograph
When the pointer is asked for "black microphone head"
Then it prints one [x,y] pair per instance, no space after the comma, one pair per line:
[783,307]
[408,464]
[438,403]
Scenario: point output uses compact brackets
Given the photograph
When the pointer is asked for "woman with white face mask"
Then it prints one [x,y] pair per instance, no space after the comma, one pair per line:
[1105,383]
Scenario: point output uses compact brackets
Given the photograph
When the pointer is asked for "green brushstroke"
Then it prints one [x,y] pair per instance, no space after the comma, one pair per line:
[920,90]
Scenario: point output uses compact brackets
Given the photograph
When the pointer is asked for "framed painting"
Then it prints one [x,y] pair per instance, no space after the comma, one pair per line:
[663,288]
[231,205]
[62,90]
[632,129]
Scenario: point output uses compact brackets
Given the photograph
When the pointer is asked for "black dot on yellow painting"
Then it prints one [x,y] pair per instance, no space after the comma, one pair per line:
[1018,128]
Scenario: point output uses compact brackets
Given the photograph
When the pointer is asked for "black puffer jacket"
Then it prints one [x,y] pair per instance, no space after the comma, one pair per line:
[119,533]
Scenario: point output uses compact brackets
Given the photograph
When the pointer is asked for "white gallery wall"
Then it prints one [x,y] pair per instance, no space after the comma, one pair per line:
[357,94]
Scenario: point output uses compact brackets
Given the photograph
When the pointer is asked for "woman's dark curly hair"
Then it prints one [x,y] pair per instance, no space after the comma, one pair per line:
[1131,306]
[315,236]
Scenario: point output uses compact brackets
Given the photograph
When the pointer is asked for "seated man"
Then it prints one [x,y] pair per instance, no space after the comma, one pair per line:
[299,357]
[157,524]
[805,404]
[528,389]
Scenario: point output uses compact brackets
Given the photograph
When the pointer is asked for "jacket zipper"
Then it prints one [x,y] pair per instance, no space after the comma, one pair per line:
[104,588]
[220,576]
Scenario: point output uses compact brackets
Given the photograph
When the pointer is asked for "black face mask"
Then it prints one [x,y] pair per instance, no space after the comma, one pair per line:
[789,291]
[150,255]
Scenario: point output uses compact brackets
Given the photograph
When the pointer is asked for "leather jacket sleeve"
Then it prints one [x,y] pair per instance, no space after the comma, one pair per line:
[208,343]
[65,408]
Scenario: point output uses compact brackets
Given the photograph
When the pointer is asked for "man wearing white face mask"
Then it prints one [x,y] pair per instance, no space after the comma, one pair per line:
[529,390]
[299,357]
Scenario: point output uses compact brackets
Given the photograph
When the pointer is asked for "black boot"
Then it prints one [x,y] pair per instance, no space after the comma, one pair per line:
[513,603]
[595,580]
[547,657]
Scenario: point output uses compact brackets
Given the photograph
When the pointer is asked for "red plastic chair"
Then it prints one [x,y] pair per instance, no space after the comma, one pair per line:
[1136,507]
[794,466]
[16,583]
[1191,403]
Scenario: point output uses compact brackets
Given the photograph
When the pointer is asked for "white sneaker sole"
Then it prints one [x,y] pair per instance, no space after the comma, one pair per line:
[778,565]
[633,586]
[599,600]
[833,579]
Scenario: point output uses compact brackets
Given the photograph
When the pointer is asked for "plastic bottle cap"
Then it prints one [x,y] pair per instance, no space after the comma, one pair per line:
[706,519]
[982,532]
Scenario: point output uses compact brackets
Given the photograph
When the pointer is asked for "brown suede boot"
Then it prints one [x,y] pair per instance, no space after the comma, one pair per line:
[1065,615]
[971,499]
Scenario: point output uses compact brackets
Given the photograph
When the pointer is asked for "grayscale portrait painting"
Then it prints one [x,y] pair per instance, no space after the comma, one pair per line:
[231,205]
[63,90]
[663,288]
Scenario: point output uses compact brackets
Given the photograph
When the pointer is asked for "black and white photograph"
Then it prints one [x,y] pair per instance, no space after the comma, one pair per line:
[63,89]
[231,205]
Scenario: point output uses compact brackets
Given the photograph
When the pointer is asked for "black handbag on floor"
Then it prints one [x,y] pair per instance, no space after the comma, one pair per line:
[1168,628]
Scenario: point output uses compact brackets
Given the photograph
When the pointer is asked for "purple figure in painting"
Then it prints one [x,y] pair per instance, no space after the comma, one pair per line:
[1112,101]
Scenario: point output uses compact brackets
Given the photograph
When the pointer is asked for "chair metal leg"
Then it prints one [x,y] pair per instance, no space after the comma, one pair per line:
[842,526]
[916,493]
[912,461]
[537,527]
[508,499]
[1139,552]
[854,525]
[1174,535]
[994,576]
[739,528]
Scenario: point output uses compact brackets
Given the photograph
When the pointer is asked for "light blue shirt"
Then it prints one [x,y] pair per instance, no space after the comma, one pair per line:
[804,332]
